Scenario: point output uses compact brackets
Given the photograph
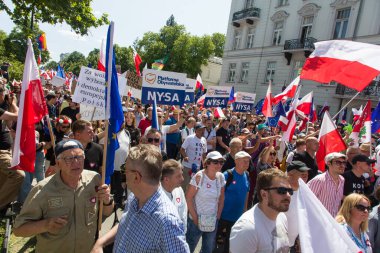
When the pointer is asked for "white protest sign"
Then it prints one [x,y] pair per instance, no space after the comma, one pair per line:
[190,87]
[58,81]
[244,101]
[168,88]
[91,113]
[217,96]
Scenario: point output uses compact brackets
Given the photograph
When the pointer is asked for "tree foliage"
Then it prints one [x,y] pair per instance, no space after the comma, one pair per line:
[219,40]
[73,62]
[77,14]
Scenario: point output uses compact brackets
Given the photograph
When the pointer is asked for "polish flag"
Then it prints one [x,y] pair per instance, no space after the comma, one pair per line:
[102,58]
[138,61]
[329,139]
[218,113]
[357,113]
[39,59]
[199,84]
[364,121]
[32,109]
[201,100]
[267,106]
[289,92]
[291,118]
[305,104]
[352,64]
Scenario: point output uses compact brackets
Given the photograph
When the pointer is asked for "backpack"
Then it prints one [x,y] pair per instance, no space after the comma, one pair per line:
[231,177]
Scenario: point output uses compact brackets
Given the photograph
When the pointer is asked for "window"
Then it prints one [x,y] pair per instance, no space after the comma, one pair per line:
[307,25]
[250,37]
[277,33]
[249,4]
[341,23]
[282,2]
[231,72]
[244,72]
[237,39]
[297,69]
[271,69]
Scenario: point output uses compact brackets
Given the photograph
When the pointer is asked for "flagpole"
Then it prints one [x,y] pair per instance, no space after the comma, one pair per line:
[346,105]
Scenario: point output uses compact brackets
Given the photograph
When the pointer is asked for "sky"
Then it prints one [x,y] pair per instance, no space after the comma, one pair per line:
[133,19]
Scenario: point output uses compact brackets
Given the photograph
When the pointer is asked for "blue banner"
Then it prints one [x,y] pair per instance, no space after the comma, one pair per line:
[163,96]
[189,97]
[242,107]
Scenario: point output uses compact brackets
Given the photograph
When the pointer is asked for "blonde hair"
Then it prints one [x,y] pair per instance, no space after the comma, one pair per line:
[349,202]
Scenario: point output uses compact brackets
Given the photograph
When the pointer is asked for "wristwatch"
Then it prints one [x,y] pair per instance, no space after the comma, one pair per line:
[110,203]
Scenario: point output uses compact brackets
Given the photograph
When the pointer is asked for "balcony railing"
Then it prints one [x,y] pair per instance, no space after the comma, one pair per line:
[250,13]
[306,44]
[372,90]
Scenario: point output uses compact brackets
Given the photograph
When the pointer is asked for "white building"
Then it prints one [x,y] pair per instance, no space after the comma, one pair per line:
[269,39]
[212,71]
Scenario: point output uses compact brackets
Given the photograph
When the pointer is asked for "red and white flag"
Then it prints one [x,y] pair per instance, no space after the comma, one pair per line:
[102,58]
[363,124]
[352,64]
[201,100]
[291,118]
[137,60]
[218,113]
[39,59]
[267,106]
[32,109]
[289,92]
[329,139]
[317,229]
[305,104]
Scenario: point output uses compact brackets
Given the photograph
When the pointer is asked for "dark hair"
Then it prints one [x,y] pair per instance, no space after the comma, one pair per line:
[153,131]
[79,125]
[169,167]
[300,142]
[265,179]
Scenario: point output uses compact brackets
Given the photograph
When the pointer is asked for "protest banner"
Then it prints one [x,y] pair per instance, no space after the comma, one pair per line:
[217,96]
[244,102]
[58,81]
[90,87]
[91,113]
[190,87]
[134,83]
[168,88]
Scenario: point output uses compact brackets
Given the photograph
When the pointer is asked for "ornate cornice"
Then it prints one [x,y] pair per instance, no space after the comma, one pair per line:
[343,3]
[309,10]
[279,16]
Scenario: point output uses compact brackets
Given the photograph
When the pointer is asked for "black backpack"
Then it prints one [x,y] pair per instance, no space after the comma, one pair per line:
[231,177]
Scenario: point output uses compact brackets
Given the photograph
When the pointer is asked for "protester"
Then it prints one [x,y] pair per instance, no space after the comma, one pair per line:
[173,136]
[365,149]
[353,215]
[308,156]
[373,225]
[130,126]
[263,228]
[71,111]
[62,210]
[235,146]
[150,221]
[51,100]
[205,200]
[188,129]
[267,159]
[138,113]
[299,148]
[351,152]
[146,122]
[223,136]
[153,137]
[209,134]
[235,201]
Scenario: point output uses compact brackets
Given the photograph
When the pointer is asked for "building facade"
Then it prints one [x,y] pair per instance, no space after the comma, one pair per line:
[270,40]
[211,72]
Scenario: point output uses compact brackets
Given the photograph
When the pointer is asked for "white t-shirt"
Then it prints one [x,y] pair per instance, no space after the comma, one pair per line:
[194,148]
[255,232]
[164,130]
[209,136]
[186,132]
[121,153]
[177,197]
[292,217]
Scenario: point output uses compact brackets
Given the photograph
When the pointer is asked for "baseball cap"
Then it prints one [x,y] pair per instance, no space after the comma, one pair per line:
[199,125]
[214,155]
[362,158]
[245,131]
[261,127]
[297,165]
[332,156]
[64,145]
[241,154]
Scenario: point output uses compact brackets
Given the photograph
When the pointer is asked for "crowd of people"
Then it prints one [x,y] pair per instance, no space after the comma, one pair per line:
[225,180]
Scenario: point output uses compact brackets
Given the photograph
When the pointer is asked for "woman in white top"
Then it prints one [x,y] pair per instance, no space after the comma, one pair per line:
[205,200]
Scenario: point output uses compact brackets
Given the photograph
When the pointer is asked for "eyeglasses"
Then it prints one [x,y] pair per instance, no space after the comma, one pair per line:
[363,208]
[150,140]
[340,163]
[70,159]
[221,162]
[273,153]
[281,190]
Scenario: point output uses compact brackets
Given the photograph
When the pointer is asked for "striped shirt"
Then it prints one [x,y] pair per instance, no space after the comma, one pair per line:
[156,227]
[327,191]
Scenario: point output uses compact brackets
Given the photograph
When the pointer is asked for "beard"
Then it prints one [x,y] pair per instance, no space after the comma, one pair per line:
[282,206]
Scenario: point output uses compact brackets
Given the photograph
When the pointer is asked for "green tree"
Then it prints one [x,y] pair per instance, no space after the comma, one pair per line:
[124,57]
[219,40]
[77,14]
[51,65]
[73,62]
[92,58]
[16,67]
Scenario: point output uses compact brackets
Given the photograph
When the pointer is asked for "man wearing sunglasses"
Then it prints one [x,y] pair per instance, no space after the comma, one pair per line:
[62,210]
[153,137]
[263,228]
[328,186]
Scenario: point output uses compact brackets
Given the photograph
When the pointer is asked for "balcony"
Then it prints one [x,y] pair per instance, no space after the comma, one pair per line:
[371,91]
[296,45]
[248,15]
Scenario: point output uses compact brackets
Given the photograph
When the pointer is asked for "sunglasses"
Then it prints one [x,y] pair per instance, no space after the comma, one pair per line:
[281,190]
[363,208]
[150,140]
[273,153]
[340,163]
[221,162]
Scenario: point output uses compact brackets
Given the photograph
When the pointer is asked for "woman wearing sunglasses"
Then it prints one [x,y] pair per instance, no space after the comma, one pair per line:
[353,215]
[205,200]
[267,159]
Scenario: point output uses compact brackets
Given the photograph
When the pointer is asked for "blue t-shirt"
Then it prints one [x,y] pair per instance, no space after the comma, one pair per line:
[234,196]
[172,137]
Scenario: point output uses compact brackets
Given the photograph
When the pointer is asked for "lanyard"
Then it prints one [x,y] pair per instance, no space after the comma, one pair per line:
[362,243]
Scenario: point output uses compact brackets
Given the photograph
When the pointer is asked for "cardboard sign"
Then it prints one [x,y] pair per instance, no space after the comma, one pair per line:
[190,87]
[134,83]
[244,101]
[217,96]
[168,88]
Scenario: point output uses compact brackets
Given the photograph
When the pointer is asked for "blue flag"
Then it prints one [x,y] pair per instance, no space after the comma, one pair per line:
[375,118]
[279,111]
[60,71]
[154,116]
[114,111]
[259,106]
[232,95]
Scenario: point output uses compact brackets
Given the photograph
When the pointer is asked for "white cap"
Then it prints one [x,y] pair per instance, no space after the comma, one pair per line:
[214,155]
[332,156]
[241,154]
